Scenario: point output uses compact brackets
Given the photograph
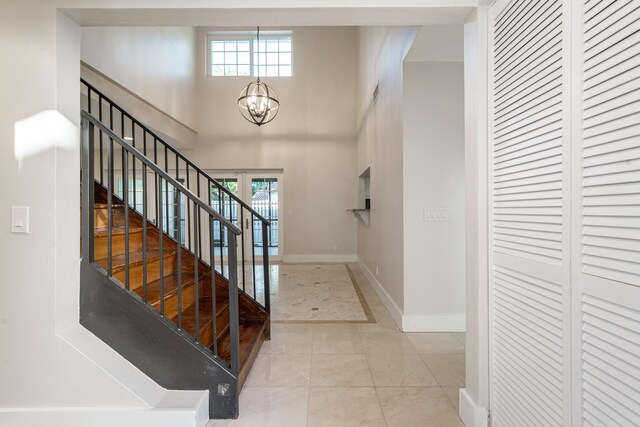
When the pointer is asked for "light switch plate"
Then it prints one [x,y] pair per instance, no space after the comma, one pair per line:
[19,219]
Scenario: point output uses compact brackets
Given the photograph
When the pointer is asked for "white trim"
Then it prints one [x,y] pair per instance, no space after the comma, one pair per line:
[472,415]
[319,258]
[444,322]
[392,307]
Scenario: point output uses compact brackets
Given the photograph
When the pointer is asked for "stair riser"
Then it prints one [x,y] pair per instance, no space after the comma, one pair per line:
[188,299]
[101,217]
[101,244]
[222,320]
[153,272]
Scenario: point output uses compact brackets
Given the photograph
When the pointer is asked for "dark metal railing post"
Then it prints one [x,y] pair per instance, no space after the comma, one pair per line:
[145,201]
[213,285]
[178,236]
[161,240]
[125,192]
[196,259]
[265,266]
[110,208]
[88,175]
[234,323]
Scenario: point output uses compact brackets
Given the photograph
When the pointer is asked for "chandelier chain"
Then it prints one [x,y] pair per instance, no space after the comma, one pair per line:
[258,56]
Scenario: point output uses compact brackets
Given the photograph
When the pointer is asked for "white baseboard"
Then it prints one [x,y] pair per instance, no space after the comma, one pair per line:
[472,415]
[446,322]
[319,258]
[99,417]
[392,307]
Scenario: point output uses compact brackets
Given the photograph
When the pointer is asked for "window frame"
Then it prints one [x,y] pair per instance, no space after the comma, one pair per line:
[251,37]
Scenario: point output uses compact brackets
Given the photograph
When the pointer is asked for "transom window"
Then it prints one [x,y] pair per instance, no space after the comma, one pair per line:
[238,54]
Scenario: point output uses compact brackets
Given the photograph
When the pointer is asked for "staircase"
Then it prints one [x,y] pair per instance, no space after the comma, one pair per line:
[175,268]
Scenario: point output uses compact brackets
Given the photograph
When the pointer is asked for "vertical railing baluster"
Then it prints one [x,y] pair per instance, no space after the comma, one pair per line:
[144,231]
[88,186]
[253,255]
[196,260]
[133,167]
[101,148]
[213,285]
[242,237]
[178,233]
[161,239]
[188,205]
[234,320]
[166,192]
[221,206]
[110,210]
[265,266]
[125,192]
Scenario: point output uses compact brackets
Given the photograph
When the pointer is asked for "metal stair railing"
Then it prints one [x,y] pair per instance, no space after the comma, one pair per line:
[120,158]
[253,263]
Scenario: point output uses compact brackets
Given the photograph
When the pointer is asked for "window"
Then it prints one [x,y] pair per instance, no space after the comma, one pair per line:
[236,54]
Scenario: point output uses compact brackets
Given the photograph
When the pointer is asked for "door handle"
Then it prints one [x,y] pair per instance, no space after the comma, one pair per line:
[247,221]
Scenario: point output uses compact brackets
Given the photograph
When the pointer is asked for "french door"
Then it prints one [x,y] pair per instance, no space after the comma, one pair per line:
[263,193]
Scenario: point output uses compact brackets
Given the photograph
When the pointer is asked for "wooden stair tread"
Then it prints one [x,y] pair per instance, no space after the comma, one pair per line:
[116,230]
[170,286]
[205,309]
[135,258]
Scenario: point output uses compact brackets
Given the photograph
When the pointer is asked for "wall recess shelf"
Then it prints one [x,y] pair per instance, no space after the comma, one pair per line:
[363,214]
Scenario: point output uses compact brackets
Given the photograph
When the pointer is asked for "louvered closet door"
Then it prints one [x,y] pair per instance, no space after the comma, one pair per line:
[529,354]
[607,243]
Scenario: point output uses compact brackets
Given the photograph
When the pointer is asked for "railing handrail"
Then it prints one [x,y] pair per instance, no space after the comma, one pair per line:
[172,181]
[177,153]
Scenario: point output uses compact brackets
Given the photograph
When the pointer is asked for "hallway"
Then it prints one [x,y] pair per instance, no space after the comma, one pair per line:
[351,373]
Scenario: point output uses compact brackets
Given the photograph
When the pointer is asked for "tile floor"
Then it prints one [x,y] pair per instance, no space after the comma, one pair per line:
[367,374]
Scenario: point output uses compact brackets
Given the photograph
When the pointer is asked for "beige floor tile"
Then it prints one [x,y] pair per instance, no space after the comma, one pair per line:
[340,370]
[386,342]
[218,423]
[453,394]
[272,407]
[344,407]
[449,369]
[280,370]
[417,407]
[276,328]
[379,326]
[288,342]
[327,342]
[461,337]
[436,342]
[336,328]
[399,370]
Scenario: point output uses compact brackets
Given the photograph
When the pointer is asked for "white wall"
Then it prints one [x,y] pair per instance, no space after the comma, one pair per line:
[380,244]
[156,63]
[313,139]
[474,398]
[433,177]
[37,367]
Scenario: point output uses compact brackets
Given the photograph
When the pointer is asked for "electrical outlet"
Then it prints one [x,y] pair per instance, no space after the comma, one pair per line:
[436,214]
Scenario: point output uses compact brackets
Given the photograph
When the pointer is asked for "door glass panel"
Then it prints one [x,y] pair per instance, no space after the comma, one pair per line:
[172,200]
[222,203]
[264,200]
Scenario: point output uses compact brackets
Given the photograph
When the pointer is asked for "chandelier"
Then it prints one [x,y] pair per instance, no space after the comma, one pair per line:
[258,103]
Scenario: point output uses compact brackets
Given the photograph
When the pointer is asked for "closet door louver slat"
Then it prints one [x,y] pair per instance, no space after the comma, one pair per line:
[608,246]
[527,295]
